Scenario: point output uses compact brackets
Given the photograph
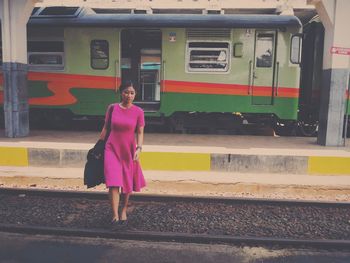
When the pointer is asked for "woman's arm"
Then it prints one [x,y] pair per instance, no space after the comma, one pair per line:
[104,129]
[103,133]
[139,142]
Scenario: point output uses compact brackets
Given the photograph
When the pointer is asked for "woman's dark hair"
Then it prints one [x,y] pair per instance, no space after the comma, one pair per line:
[126,85]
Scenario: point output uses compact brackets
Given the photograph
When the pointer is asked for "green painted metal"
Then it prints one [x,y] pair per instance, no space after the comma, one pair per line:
[38,89]
[77,50]
[77,61]
[94,101]
[347,109]
[263,76]
[174,56]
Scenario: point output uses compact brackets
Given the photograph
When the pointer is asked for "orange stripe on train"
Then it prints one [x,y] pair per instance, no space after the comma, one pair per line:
[225,89]
[61,84]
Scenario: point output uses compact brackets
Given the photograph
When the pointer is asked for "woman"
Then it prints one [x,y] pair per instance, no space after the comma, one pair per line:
[123,173]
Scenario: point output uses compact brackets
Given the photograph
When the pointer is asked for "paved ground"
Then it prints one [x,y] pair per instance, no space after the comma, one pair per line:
[16,248]
[235,144]
[212,183]
[193,183]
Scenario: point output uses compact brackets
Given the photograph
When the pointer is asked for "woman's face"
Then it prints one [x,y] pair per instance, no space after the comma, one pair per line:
[128,94]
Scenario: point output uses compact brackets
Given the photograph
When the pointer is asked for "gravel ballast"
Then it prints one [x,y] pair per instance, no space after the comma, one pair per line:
[249,219]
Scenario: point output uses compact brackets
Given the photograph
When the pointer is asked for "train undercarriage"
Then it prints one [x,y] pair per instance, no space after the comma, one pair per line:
[183,122]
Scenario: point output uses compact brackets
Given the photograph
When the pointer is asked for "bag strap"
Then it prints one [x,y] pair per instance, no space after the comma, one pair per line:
[109,122]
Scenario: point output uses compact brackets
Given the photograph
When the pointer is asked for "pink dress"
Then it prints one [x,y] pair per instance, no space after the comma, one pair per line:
[119,167]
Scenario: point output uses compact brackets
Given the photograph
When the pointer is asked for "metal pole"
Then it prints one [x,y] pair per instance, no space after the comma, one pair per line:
[346,110]
[16,108]
[7,70]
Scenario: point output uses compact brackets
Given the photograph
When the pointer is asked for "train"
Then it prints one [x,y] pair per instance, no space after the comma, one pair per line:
[192,71]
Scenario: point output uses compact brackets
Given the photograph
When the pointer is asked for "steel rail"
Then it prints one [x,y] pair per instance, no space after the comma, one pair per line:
[170,236]
[174,237]
[169,198]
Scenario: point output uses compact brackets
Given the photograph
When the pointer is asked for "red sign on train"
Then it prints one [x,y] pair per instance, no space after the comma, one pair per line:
[340,50]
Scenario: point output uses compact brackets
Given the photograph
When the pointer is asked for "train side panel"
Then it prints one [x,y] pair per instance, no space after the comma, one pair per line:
[84,90]
[79,87]
[227,91]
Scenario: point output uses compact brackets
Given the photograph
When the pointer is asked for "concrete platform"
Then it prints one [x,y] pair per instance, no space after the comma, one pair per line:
[230,165]
[177,152]
[280,186]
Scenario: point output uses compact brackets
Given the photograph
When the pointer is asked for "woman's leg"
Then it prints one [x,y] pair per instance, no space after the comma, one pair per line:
[114,200]
[123,215]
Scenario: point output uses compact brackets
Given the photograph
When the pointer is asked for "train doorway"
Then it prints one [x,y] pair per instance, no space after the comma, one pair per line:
[264,65]
[141,63]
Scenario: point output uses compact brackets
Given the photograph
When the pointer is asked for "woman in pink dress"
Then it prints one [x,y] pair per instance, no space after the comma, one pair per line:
[122,169]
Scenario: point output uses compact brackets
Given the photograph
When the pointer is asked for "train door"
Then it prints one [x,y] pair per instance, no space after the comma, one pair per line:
[263,72]
[141,63]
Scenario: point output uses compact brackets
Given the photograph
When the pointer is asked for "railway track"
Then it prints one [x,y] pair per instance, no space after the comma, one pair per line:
[32,211]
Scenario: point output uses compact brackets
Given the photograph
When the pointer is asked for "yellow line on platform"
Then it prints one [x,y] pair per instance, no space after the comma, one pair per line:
[329,165]
[175,161]
[13,156]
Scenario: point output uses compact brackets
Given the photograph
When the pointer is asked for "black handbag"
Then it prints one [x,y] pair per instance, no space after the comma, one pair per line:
[94,167]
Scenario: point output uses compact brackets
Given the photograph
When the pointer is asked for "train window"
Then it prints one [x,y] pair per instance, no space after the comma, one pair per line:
[99,54]
[264,48]
[46,59]
[46,54]
[35,9]
[56,11]
[208,56]
[295,49]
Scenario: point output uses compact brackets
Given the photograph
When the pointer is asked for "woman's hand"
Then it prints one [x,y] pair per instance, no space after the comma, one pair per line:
[139,141]
[103,133]
[137,154]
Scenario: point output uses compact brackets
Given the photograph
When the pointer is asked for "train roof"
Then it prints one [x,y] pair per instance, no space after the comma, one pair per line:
[170,20]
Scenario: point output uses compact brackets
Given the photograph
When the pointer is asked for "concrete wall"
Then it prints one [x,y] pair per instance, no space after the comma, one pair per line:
[177,161]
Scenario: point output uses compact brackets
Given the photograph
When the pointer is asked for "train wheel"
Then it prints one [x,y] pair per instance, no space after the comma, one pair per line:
[50,119]
[176,123]
[285,128]
[60,120]
[2,118]
[37,119]
[307,129]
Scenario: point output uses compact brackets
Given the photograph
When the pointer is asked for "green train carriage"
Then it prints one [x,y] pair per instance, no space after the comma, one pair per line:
[186,67]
